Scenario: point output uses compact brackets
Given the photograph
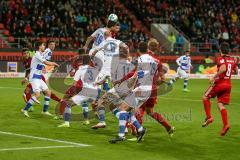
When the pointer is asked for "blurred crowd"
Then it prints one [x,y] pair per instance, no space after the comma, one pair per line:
[202,21]
[68,22]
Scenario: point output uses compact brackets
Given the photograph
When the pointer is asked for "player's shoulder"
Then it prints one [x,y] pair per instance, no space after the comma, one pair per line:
[222,60]
[230,59]
[48,50]
[101,29]
[83,67]
[38,54]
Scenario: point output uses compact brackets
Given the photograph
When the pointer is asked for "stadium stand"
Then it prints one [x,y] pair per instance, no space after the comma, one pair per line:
[202,21]
[69,22]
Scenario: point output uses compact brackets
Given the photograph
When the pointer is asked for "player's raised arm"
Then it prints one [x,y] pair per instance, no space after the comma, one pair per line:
[89,40]
[50,63]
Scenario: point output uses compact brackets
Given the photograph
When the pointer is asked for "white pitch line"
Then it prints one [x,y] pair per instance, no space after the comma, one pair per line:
[45,139]
[35,148]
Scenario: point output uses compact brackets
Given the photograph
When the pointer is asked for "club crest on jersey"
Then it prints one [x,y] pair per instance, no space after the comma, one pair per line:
[222,61]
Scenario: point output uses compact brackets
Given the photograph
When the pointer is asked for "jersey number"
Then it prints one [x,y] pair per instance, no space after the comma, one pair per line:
[90,75]
[99,39]
[229,70]
[112,47]
[153,68]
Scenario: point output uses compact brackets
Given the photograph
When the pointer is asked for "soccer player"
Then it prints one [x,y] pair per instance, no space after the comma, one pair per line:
[113,97]
[220,87]
[27,64]
[184,63]
[140,94]
[148,106]
[47,55]
[90,92]
[108,53]
[35,78]
[99,36]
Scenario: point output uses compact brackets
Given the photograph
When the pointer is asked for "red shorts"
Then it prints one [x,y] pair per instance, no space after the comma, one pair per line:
[221,91]
[150,103]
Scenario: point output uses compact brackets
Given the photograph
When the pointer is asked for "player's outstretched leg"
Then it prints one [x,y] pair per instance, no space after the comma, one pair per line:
[55,97]
[27,93]
[31,101]
[140,130]
[123,118]
[66,116]
[224,116]
[101,115]
[185,84]
[46,106]
[85,113]
[172,81]
[207,108]
[27,96]
[161,120]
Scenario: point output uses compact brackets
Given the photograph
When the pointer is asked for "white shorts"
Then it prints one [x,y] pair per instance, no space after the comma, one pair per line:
[87,94]
[134,101]
[79,99]
[181,73]
[103,74]
[38,85]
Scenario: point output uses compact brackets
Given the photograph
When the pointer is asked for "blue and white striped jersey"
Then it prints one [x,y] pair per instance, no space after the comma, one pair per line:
[47,54]
[184,62]
[36,66]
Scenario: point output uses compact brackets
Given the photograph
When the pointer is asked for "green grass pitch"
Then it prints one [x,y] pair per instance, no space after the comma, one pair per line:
[184,110]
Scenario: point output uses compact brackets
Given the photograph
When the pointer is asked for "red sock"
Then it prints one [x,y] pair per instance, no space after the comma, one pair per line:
[224,117]
[62,107]
[94,107]
[207,107]
[139,115]
[55,97]
[27,91]
[158,117]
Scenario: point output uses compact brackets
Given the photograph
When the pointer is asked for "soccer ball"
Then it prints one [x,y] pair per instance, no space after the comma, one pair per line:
[113,17]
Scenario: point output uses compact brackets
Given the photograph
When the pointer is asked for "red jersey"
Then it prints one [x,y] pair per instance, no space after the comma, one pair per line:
[225,78]
[75,65]
[113,35]
[27,65]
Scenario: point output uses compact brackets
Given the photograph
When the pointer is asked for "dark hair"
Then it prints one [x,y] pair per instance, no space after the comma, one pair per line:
[50,41]
[111,23]
[224,48]
[38,44]
[85,59]
[142,47]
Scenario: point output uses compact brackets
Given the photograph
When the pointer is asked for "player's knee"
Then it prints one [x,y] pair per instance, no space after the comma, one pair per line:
[37,95]
[220,106]
[149,111]
[123,107]
[47,93]
[205,97]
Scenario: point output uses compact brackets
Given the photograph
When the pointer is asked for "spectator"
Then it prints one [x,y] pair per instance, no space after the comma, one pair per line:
[43,19]
[208,60]
[172,40]
[179,42]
